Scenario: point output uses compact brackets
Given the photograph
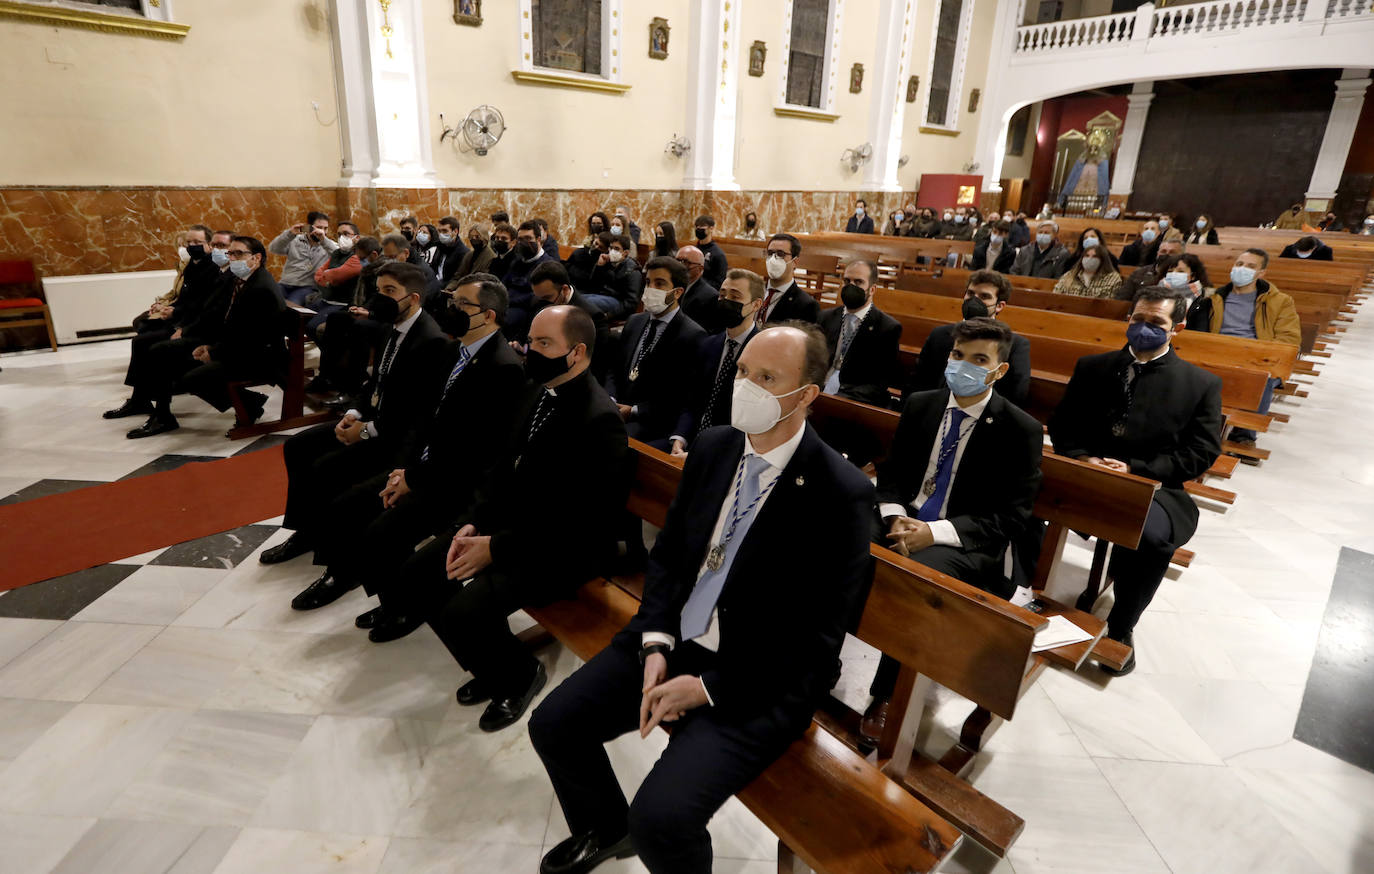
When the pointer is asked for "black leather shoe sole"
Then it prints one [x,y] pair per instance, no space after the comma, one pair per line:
[506,712]
[471,693]
[621,849]
[285,551]
[393,629]
[370,619]
[321,593]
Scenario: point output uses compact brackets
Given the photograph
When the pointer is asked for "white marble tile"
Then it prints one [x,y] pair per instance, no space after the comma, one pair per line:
[261,850]
[17,635]
[217,769]
[417,856]
[1203,819]
[23,721]
[1330,814]
[87,759]
[34,844]
[180,668]
[70,663]
[1173,643]
[152,595]
[1234,716]
[148,848]
[290,673]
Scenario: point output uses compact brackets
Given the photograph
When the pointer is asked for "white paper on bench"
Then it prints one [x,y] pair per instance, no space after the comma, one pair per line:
[1059,632]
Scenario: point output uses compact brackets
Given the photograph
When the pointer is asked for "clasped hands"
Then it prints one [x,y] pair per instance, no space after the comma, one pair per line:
[909,535]
[349,430]
[666,700]
[396,488]
[468,555]
[1109,463]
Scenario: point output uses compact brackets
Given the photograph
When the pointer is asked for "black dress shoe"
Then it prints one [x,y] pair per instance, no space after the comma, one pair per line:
[874,721]
[582,853]
[503,712]
[254,403]
[153,427]
[288,549]
[370,618]
[326,590]
[471,693]
[390,628]
[319,386]
[130,407]
[1128,640]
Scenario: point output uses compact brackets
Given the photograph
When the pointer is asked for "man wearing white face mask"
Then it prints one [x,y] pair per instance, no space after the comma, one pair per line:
[657,348]
[1043,255]
[784,300]
[957,227]
[1144,249]
[614,283]
[737,635]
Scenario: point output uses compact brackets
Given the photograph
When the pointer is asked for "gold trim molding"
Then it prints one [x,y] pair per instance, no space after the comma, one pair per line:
[810,114]
[939,131]
[530,77]
[105,22]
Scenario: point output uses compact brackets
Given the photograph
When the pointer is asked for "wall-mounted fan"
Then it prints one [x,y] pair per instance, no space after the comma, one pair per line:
[481,130]
[857,157]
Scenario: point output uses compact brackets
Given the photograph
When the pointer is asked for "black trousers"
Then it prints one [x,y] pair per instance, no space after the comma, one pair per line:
[1137,573]
[363,540]
[318,469]
[346,345]
[171,369]
[709,758]
[150,333]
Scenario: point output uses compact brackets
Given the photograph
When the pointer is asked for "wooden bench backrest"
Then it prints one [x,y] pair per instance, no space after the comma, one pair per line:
[951,285]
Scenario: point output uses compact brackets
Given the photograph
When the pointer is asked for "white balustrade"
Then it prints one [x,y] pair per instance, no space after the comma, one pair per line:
[1100,30]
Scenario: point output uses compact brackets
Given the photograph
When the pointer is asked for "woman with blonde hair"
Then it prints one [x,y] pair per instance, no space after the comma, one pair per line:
[1093,276]
[479,250]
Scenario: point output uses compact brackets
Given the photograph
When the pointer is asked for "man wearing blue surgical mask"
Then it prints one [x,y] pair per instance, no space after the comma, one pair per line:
[1145,248]
[1145,411]
[960,479]
[1042,255]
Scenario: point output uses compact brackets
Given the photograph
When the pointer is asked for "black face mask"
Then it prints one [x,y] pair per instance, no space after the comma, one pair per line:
[974,308]
[597,228]
[528,250]
[500,247]
[408,233]
[701,233]
[455,322]
[724,315]
[196,251]
[478,244]
[382,308]
[749,221]
[852,296]
[542,369]
[661,247]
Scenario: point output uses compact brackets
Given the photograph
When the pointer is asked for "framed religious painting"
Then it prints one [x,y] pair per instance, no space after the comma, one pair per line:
[658,38]
[913,87]
[757,52]
[467,12]
[856,78]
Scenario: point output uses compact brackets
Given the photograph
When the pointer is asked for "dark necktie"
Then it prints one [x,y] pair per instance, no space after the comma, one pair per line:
[937,487]
[725,377]
[1129,377]
[389,353]
[646,345]
[464,356]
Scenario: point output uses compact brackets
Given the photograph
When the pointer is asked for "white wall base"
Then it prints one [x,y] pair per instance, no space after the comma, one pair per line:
[101,301]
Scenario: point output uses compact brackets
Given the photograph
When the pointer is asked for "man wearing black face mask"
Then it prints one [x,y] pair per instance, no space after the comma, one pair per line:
[1144,410]
[551,286]
[502,249]
[524,259]
[568,445]
[715,264]
[325,460]
[985,296]
[863,340]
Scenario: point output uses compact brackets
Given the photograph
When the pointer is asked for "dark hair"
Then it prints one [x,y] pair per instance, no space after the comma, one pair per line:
[1306,244]
[1104,255]
[491,294]
[531,226]
[816,363]
[669,235]
[704,219]
[229,234]
[549,271]
[410,218]
[451,222]
[990,277]
[1264,256]
[1197,267]
[314,216]
[607,238]
[367,246]
[409,275]
[504,228]
[790,240]
[351,225]
[985,329]
[431,230]
[872,270]
[397,240]
[605,221]
[543,224]
[1155,293]
[1096,232]
[677,271]
[255,246]
[864,202]
[752,279]
[207,232]
[578,327]
[501,217]
[1002,225]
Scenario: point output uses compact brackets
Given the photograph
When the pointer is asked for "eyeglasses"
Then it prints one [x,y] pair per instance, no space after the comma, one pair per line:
[236,254]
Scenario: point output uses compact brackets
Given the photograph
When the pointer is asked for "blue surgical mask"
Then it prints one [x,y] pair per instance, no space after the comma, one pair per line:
[1164,224]
[1145,337]
[1148,235]
[959,219]
[1090,241]
[445,238]
[241,269]
[1201,223]
[1242,276]
[219,256]
[1043,239]
[422,238]
[966,379]
[1176,280]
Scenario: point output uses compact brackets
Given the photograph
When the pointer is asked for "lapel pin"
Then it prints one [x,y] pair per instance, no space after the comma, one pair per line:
[801,480]
[988,420]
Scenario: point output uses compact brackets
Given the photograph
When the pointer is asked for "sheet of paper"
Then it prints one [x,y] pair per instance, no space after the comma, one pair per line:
[1059,632]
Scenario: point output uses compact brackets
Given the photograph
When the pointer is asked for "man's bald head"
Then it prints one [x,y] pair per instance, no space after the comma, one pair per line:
[788,356]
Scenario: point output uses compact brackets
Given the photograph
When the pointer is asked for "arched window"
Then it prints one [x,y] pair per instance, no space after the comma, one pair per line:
[947,52]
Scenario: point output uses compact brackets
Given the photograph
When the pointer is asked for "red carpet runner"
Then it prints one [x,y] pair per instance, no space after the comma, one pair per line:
[61,534]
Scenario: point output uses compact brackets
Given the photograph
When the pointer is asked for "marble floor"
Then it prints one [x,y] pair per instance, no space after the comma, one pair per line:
[170,713]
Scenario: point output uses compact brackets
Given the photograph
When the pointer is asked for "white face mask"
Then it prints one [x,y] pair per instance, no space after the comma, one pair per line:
[948,216]
[445,238]
[657,301]
[1090,241]
[959,219]
[617,229]
[345,244]
[753,408]
[776,266]
[997,239]
[1307,254]
[1201,223]
[859,211]
[183,255]
[422,238]
[1091,264]
[615,256]
[1163,224]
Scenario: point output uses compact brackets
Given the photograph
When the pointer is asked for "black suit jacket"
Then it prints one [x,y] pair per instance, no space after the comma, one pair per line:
[1138,253]
[871,363]
[553,506]
[446,260]
[1004,258]
[857,225]
[701,382]
[664,374]
[1323,252]
[699,301]
[716,264]
[199,282]
[930,366]
[470,425]
[783,611]
[410,388]
[243,324]
[1173,430]
[795,304]
[622,281]
[994,488]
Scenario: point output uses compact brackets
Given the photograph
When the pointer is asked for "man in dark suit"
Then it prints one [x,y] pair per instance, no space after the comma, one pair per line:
[657,348]
[736,639]
[238,336]
[526,256]
[699,300]
[1309,248]
[716,264]
[986,296]
[995,251]
[551,287]
[568,445]
[1153,273]
[785,301]
[707,400]
[863,340]
[860,222]
[1144,249]
[449,250]
[1144,410]
[323,461]
[374,526]
[959,482]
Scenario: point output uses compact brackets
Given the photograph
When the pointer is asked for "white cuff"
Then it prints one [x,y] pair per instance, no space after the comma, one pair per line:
[706,691]
[944,533]
[371,429]
[887,510]
[649,637]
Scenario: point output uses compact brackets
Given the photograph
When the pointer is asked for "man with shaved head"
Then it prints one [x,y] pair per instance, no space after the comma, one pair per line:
[736,638]
[699,300]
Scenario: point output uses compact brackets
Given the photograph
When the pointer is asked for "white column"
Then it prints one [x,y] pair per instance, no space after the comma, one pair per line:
[712,98]
[353,92]
[1340,132]
[892,64]
[1132,133]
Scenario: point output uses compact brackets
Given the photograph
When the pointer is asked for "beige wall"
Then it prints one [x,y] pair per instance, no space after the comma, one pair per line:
[1014,167]
[107,109]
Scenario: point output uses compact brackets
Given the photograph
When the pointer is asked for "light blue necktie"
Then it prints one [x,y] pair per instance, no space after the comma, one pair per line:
[696,613]
[944,468]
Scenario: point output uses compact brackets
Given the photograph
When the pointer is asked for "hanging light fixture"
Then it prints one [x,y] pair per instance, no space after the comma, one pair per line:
[387,30]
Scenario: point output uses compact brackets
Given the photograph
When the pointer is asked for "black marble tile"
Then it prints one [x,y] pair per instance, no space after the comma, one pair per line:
[266,441]
[1338,703]
[164,463]
[45,487]
[65,596]
[223,551]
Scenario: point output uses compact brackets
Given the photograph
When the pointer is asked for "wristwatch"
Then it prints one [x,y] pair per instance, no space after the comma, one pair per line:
[646,651]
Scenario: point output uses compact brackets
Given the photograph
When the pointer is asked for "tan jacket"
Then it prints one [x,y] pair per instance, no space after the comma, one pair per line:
[1276,317]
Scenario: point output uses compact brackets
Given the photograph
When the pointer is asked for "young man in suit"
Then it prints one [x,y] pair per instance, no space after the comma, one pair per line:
[323,461]
[986,296]
[657,349]
[737,636]
[1144,410]
[713,374]
[863,340]
[784,300]
[860,222]
[960,479]
[715,264]
[995,252]
[699,300]
[614,284]
[551,286]
[568,448]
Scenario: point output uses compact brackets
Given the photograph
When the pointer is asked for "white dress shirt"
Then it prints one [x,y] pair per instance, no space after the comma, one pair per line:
[942,529]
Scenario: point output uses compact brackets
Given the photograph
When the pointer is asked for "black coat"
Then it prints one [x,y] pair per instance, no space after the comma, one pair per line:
[795,304]
[699,301]
[623,281]
[857,225]
[1173,430]
[553,506]
[994,488]
[664,374]
[1138,253]
[870,366]
[716,264]
[701,382]
[1209,239]
[410,389]
[199,283]
[1005,258]
[1323,252]
[784,609]
[930,366]
[243,324]
[446,260]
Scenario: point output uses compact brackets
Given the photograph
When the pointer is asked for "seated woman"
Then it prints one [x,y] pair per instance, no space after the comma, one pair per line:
[1187,274]
[665,239]
[751,230]
[1089,237]
[1095,275]
[426,244]
[1203,232]
[597,223]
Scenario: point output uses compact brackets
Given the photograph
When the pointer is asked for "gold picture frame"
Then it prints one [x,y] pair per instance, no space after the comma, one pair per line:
[856,79]
[467,12]
[757,52]
[658,38]
[913,88]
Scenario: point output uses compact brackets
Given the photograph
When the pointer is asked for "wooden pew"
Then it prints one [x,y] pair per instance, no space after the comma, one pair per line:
[293,414]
